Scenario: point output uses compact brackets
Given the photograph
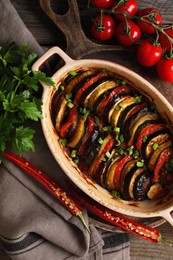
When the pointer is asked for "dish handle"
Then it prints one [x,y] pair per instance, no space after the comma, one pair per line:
[47,55]
[166,214]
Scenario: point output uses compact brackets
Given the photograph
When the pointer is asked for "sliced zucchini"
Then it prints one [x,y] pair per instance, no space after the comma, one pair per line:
[118,110]
[156,153]
[80,129]
[103,87]
[158,138]
[60,114]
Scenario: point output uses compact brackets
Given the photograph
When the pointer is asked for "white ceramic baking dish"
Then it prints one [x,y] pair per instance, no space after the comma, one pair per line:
[146,209]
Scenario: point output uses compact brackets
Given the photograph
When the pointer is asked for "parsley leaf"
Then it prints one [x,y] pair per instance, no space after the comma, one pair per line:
[19,100]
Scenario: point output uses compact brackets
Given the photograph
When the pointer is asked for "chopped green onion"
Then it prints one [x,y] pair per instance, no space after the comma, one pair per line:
[73,73]
[100,140]
[155,146]
[117,129]
[103,159]
[63,141]
[62,87]
[130,149]
[97,120]
[105,70]
[73,153]
[135,154]
[138,99]
[144,139]
[70,104]
[68,96]
[140,163]
[108,155]
[107,128]
[76,160]
[115,194]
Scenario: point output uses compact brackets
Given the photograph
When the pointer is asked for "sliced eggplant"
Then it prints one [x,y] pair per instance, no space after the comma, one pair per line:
[126,176]
[133,117]
[141,185]
[158,138]
[137,123]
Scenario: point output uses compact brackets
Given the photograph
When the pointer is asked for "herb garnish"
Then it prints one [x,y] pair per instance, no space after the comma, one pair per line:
[19,100]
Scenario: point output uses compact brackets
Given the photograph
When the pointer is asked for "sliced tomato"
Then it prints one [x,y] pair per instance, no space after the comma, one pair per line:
[118,171]
[115,91]
[148,130]
[163,159]
[70,121]
[106,149]
[87,85]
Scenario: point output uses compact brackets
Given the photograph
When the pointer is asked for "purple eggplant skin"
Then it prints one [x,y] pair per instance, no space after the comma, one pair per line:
[142,185]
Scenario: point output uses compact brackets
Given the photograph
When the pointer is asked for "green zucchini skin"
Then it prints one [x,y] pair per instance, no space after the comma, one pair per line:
[139,178]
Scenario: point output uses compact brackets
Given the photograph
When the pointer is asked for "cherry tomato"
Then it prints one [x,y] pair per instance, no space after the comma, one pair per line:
[103,27]
[165,69]
[148,54]
[103,4]
[127,7]
[127,33]
[153,16]
[164,40]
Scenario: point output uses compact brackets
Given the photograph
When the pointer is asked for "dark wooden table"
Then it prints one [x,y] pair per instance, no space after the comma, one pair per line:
[47,34]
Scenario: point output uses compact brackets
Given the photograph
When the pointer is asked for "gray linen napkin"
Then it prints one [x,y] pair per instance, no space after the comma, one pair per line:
[33,225]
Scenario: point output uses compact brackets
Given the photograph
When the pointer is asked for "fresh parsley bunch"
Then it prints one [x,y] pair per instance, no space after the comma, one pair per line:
[19,99]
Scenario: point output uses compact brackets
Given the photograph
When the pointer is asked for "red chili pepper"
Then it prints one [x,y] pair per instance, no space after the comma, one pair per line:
[85,86]
[110,216]
[148,130]
[70,121]
[118,171]
[91,126]
[50,185]
[163,158]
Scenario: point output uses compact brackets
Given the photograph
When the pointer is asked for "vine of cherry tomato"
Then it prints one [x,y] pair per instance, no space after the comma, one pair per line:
[151,15]
[122,22]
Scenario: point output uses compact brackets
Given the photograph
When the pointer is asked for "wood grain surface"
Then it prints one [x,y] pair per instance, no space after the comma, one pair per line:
[48,34]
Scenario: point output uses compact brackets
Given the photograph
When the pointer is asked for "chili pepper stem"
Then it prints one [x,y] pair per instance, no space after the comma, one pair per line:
[161,239]
[81,217]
